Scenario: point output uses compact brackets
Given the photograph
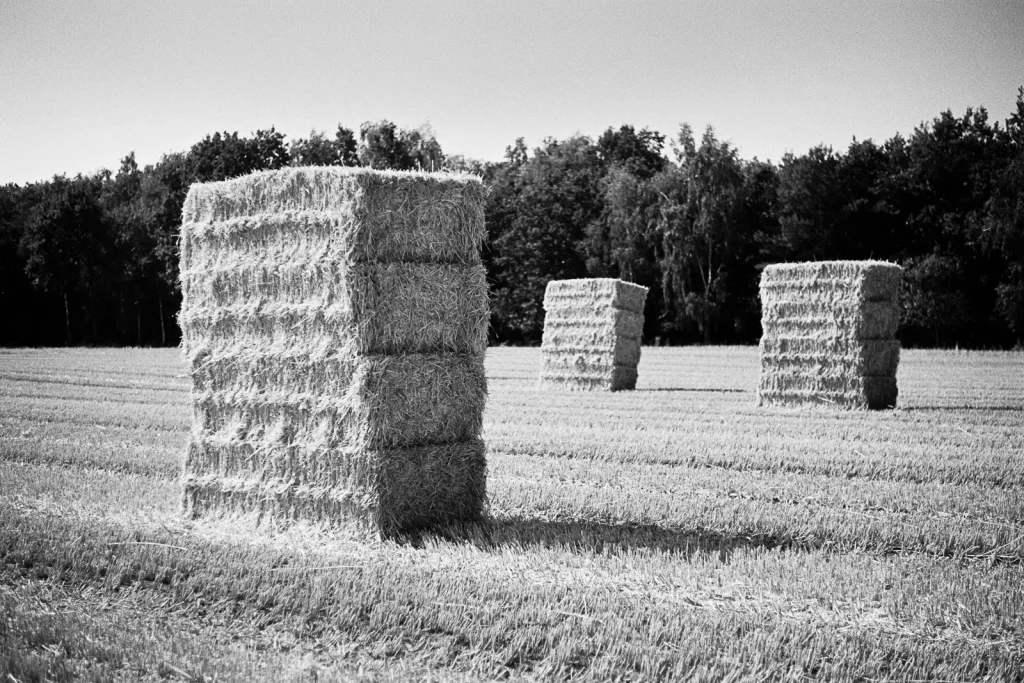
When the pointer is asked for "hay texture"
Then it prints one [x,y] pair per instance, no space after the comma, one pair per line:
[334,324]
[592,331]
[829,331]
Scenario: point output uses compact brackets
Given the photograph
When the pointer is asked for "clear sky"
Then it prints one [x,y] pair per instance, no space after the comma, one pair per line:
[84,82]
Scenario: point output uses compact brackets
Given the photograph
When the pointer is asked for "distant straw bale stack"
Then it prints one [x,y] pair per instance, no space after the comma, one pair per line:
[334,324]
[592,331]
[829,331]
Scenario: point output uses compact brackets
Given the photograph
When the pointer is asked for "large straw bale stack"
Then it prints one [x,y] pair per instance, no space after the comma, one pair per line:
[592,331]
[829,332]
[334,325]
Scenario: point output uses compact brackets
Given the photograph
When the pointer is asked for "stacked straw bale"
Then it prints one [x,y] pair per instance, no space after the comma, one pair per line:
[334,323]
[592,330]
[829,331]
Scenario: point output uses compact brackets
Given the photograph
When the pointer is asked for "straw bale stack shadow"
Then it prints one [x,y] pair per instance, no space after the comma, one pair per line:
[592,331]
[334,323]
[829,334]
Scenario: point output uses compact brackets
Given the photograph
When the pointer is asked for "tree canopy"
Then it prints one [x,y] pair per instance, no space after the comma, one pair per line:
[93,259]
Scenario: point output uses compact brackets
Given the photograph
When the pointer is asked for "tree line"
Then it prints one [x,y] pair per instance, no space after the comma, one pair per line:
[93,259]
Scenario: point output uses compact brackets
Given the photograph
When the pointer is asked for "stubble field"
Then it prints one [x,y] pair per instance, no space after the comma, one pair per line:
[676,531]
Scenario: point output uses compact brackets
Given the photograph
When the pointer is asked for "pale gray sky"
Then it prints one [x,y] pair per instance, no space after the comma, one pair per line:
[84,82]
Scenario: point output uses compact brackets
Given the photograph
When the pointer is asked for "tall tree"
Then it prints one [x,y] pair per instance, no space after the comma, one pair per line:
[759,220]
[1003,231]
[864,227]
[628,224]
[383,145]
[425,152]
[639,153]
[220,156]
[618,242]
[951,171]
[701,203]
[810,202]
[935,306]
[536,214]
[143,210]
[17,297]
[319,150]
[65,244]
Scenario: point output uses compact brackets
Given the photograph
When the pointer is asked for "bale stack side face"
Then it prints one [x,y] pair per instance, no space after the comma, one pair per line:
[334,324]
[592,331]
[829,334]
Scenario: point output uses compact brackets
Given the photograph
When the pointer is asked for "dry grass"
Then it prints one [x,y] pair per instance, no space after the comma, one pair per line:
[674,532]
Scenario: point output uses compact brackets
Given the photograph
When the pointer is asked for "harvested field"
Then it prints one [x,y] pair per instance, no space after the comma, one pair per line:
[675,532]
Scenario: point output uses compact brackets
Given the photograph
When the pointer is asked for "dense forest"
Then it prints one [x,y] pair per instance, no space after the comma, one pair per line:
[93,259]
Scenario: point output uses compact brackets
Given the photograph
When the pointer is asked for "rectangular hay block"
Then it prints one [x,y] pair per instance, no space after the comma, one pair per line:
[824,356]
[592,325]
[590,377]
[829,333]
[570,349]
[592,332]
[334,322]
[605,291]
[849,390]
[367,488]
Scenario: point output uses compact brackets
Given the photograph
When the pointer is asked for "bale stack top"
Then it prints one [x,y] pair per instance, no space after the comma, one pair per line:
[380,215]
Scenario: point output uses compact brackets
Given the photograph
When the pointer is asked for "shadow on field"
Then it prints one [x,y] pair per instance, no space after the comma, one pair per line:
[913,409]
[714,391]
[598,537]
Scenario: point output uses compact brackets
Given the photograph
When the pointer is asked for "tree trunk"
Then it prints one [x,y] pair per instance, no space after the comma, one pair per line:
[138,323]
[163,330]
[67,319]
[122,330]
[93,313]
